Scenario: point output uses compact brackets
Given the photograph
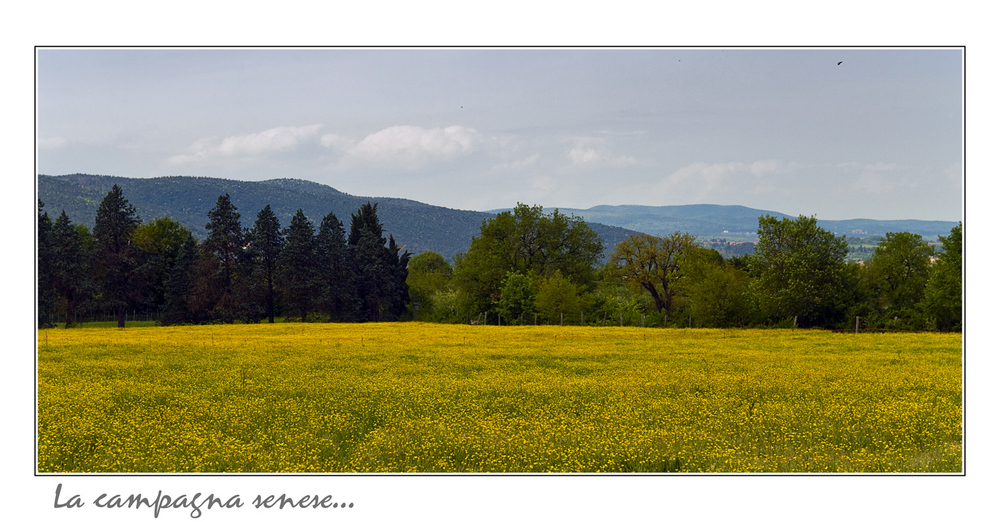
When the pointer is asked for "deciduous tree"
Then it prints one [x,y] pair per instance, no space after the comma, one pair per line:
[943,296]
[897,273]
[525,240]
[802,271]
[558,298]
[654,264]
[517,296]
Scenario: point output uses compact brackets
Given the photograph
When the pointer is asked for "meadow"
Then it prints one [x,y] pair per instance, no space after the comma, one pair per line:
[414,397]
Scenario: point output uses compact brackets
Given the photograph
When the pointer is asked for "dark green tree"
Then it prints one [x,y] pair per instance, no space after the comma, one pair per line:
[266,243]
[943,297]
[179,286]
[332,255]
[802,272]
[298,276]
[226,239]
[46,292]
[158,242]
[896,276]
[396,262]
[115,258]
[70,266]
[378,276]
[517,297]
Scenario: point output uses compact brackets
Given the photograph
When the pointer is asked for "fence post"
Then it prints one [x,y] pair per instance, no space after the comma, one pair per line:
[560,318]
[621,319]
[857,323]
[643,320]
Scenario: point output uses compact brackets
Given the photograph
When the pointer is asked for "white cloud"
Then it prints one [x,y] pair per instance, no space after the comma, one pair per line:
[278,139]
[593,152]
[409,146]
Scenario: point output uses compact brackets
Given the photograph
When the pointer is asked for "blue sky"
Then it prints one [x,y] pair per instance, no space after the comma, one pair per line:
[783,129]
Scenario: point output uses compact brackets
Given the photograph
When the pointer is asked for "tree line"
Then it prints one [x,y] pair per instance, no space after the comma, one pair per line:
[525,267]
[235,274]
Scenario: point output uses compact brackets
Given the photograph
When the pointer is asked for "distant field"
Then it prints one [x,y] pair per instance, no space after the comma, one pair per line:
[412,397]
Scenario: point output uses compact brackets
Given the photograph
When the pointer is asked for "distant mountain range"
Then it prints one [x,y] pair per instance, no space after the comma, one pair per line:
[187,200]
[416,225]
[736,222]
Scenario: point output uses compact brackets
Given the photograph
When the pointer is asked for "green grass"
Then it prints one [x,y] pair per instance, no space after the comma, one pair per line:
[411,397]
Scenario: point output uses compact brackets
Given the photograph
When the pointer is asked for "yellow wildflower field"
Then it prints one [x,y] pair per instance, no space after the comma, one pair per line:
[414,397]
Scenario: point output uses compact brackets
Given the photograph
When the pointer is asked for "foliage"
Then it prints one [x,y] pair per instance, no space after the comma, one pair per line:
[179,298]
[801,271]
[428,274]
[559,300]
[46,292]
[525,240]
[334,270]
[517,297]
[943,296]
[158,242]
[226,239]
[264,249]
[654,264]
[115,259]
[897,271]
[716,292]
[299,270]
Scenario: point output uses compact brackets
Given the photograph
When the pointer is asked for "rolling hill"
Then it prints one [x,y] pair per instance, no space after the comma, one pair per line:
[739,222]
[416,225]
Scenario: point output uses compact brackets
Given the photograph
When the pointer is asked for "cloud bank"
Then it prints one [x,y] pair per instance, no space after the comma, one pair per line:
[277,139]
[406,146]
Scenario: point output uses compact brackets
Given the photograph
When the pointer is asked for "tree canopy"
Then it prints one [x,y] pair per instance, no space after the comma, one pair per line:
[801,271]
[525,240]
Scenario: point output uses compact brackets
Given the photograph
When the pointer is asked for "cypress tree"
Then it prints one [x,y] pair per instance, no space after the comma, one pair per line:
[399,292]
[298,266]
[266,242]
[331,252]
[371,276]
[69,265]
[45,290]
[116,220]
[226,242]
[178,286]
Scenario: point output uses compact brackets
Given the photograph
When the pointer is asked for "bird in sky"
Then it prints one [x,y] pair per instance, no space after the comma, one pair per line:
[838,63]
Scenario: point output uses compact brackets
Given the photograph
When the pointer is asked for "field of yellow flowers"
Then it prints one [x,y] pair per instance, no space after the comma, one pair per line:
[413,397]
